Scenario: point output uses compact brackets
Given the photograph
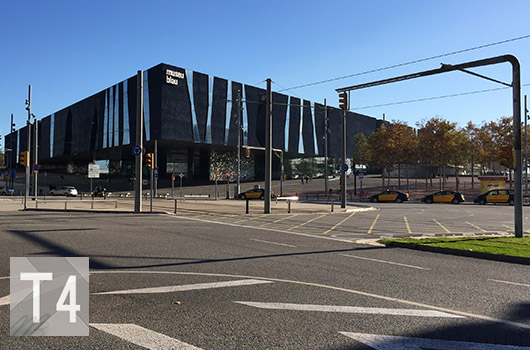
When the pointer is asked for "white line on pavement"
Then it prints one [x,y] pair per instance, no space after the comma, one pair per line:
[506,282]
[348,309]
[186,287]
[4,300]
[142,336]
[340,289]
[385,262]
[389,342]
[282,244]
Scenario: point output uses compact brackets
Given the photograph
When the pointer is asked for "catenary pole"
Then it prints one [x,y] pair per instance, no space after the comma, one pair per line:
[525,146]
[36,151]
[239,130]
[343,171]
[326,175]
[26,192]
[139,142]
[268,149]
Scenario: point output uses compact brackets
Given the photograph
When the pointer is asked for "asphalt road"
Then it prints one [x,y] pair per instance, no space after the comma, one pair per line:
[238,286]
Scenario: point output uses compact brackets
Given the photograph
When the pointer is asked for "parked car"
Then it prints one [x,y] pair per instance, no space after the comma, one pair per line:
[390,196]
[496,196]
[444,197]
[256,193]
[64,191]
[7,191]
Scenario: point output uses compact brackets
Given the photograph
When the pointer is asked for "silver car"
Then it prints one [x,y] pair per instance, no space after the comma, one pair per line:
[7,191]
[64,191]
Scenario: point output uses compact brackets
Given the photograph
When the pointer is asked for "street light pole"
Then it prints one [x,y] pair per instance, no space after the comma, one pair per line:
[35,149]
[28,108]
[139,142]
[268,149]
[525,147]
[326,175]
[239,130]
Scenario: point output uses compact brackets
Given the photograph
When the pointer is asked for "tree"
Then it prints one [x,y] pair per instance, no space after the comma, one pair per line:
[402,143]
[380,150]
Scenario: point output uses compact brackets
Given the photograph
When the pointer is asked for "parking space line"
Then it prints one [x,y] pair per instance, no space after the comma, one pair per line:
[373,224]
[407,224]
[275,221]
[250,219]
[307,222]
[340,223]
[4,300]
[142,336]
[508,227]
[385,262]
[442,226]
[475,226]
[276,243]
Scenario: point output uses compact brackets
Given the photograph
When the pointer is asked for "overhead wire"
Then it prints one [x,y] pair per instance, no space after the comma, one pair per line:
[407,63]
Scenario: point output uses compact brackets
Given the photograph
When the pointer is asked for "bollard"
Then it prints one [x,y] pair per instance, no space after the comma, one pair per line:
[246,212]
[332,202]
[288,206]
[116,205]
[175,211]
[36,204]
[92,204]
[65,204]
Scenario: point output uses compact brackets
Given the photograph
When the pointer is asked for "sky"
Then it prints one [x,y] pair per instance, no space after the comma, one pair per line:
[69,50]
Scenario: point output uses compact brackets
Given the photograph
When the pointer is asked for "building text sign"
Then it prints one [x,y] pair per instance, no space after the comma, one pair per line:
[173,76]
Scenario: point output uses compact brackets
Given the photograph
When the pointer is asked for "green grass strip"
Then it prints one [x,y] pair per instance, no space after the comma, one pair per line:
[510,246]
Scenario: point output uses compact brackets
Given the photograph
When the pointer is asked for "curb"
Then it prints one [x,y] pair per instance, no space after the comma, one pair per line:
[92,211]
[458,252]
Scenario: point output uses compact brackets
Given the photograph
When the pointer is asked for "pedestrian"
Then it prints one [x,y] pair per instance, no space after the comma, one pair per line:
[302,178]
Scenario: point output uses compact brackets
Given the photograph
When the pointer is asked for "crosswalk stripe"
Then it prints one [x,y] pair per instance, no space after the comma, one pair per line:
[349,309]
[142,336]
[187,287]
[4,300]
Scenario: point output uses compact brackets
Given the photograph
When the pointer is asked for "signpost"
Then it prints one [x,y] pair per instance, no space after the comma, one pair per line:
[93,173]
[181,175]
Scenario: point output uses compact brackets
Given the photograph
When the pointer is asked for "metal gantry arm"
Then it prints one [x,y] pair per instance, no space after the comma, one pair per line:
[516,91]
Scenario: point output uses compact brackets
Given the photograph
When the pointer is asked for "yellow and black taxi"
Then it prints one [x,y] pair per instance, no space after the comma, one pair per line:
[444,197]
[255,193]
[496,196]
[390,196]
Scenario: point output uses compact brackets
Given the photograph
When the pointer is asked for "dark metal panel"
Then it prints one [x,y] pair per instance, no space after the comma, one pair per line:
[335,132]
[294,124]
[319,127]
[219,111]
[44,138]
[307,129]
[255,105]
[156,78]
[233,130]
[279,110]
[200,97]
[176,122]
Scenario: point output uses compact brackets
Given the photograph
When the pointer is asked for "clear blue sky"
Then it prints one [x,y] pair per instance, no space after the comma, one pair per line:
[68,50]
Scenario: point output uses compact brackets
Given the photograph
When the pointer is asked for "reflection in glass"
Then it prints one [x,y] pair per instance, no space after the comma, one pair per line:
[106,120]
[111,117]
[228,109]
[189,80]
[301,140]
[126,138]
[287,124]
[147,115]
[52,132]
[117,115]
[210,107]
[313,112]
[245,117]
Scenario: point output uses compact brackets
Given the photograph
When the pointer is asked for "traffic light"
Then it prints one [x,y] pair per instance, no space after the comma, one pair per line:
[149,160]
[343,100]
[248,152]
[506,157]
[23,159]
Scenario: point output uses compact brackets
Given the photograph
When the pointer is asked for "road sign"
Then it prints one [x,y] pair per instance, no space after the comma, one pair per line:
[36,167]
[136,150]
[361,176]
[93,171]
[181,175]
[345,167]
[155,174]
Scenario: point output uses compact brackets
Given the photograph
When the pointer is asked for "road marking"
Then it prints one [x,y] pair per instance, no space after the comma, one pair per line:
[508,227]
[390,342]
[334,288]
[308,221]
[499,281]
[250,219]
[187,287]
[282,244]
[4,278]
[373,224]
[261,228]
[348,309]
[442,226]
[340,223]
[475,226]
[407,224]
[278,220]
[142,336]
[4,300]
[385,262]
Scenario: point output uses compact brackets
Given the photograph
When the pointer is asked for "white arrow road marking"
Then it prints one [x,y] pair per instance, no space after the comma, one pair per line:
[186,287]
[349,309]
[143,337]
[388,342]
[4,300]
